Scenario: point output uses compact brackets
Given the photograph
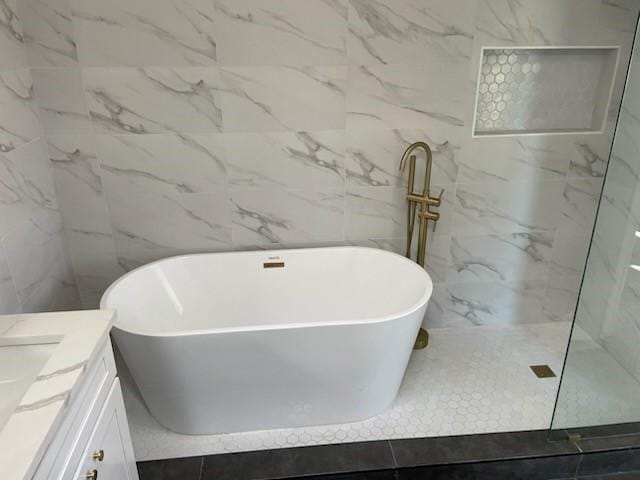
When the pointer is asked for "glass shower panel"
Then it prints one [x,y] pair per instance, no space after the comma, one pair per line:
[600,385]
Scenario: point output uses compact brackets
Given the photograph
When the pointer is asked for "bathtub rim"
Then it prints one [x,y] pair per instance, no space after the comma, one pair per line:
[424,299]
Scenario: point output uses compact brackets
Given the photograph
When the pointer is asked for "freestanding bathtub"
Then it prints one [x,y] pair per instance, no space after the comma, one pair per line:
[229,342]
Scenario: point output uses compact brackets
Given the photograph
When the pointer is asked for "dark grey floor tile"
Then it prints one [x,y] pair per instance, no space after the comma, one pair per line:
[294,462]
[378,475]
[607,463]
[171,469]
[470,448]
[609,443]
[547,468]
[615,476]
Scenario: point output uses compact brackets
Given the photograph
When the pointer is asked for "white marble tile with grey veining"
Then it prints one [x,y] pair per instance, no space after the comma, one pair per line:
[9,302]
[153,100]
[381,212]
[410,31]
[162,33]
[48,33]
[292,160]
[26,186]
[565,274]
[506,257]
[506,207]
[373,156]
[172,163]
[623,165]
[619,15]
[515,158]
[620,338]
[94,260]
[12,44]
[590,156]
[79,191]
[153,218]
[281,32]
[268,215]
[256,99]
[61,100]
[437,252]
[19,121]
[543,22]
[407,96]
[38,261]
[491,303]
[579,206]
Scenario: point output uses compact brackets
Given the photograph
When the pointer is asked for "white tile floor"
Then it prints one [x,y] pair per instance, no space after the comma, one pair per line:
[596,389]
[471,380]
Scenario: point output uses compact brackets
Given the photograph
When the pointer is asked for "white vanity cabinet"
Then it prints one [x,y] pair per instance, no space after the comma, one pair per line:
[93,439]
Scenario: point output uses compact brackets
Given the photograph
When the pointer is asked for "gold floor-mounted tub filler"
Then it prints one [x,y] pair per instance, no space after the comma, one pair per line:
[425,201]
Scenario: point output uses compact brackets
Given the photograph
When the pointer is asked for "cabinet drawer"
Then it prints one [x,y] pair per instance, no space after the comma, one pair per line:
[66,447]
[109,453]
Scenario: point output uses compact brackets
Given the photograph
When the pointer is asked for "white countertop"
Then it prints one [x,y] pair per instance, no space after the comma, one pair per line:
[79,336]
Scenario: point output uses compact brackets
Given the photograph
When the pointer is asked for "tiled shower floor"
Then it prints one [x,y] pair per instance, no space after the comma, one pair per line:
[471,380]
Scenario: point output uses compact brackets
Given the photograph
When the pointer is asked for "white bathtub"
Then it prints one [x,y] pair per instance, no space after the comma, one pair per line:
[218,343]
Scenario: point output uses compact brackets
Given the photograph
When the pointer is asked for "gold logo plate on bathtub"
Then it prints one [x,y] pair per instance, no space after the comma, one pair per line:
[273,265]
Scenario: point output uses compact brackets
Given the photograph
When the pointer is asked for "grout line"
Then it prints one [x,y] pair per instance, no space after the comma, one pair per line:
[578,466]
[393,455]
[201,468]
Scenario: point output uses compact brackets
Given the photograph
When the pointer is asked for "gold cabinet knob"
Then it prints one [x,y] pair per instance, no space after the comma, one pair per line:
[92,475]
[99,455]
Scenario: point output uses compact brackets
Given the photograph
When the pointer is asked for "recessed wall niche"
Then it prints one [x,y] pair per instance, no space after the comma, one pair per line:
[542,90]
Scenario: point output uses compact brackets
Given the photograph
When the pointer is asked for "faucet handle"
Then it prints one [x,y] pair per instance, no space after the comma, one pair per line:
[435,222]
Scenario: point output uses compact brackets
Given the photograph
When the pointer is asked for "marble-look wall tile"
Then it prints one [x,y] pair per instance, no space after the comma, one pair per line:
[136,33]
[85,217]
[257,99]
[538,158]
[623,169]
[590,156]
[9,302]
[373,156]
[60,97]
[95,263]
[266,215]
[487,303]
[12,50]
[407,96]
[39,264]
[171,163]
[26,188]
[579,206]
[281,32]
[507,257]
[291,160]
[543,22]
[565,274]
[381,212]
[410,31]
[48,32]
[506,207]
[153,100]
[152,218]
[78,185]
[437,253]
[19,121]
